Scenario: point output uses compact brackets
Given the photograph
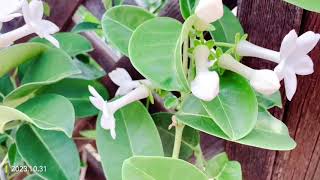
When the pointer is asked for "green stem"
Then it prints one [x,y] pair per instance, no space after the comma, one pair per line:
[177,140]
[223,44]
[200,160]
[185,55]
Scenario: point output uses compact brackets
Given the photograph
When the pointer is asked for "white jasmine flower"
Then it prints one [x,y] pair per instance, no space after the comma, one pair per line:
[123,79]
[32,13]
[208,11]
[205,86]
[263,81]
[292,59]
[131,93]
[8,10]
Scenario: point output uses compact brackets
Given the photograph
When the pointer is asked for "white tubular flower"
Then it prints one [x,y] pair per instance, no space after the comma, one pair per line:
[132,93]
[205,86]
[263,81]
[123,79]
[8,10]
[32,13]
[208,11]
[292,59]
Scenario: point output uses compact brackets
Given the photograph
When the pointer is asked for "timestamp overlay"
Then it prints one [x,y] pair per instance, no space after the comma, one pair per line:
[25,168]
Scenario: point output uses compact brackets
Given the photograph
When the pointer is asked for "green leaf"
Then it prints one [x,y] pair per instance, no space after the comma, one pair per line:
[269,102]
[190,137]
[269,132]
[119,22]
[107,4]
[86,26]
[33,177]
[220,168]
[155,51]
[234,110]
[76,90]
[311,5]
[13,56]
[160,168]
[226,27]
[50,149]
[52,66]
[6,85]
[90,134]
[187,7]
[50,112]
[71,43]
[136,135]
[89,71]
[14,156]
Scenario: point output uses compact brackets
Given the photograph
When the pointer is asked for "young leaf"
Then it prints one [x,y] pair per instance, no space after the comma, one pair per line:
[52,66]
[227,27]
[49,149]
[15,55]
[160,168]
[136,135]
[187,7]
[269,102]
[311,5]
[71,43]
[220,168]
[86,26]
[190,137]
[155,51]
[119,22]
[76,90]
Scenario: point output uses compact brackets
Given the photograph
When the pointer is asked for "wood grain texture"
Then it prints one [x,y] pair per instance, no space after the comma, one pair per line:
[266,22]
[303,120]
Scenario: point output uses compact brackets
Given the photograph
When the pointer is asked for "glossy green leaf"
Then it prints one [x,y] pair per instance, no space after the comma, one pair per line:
[226,27]
[190,137]
[51,149]
[234,110]
[52,66]
[160,168]
[269,132]
[13,56]
[14,156]
[311,5]
[119,23]
[187,7]
[72,43]
[33,177]
[86,26]
[136,135]
[89,70]
[76,90]
[155,49]
[6,85]
[220,168]
[271,101]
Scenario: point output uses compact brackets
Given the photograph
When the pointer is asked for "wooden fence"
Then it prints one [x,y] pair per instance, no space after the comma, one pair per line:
[266,22]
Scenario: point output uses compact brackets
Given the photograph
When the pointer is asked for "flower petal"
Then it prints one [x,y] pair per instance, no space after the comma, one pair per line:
[265,81]
[96,99]
[304,66]
[206,85]
[9,6]
[36,10]
[45,27]
[290,82]
[120,76]
[9,17]
[307,41]
[288,44]
[209,10]
[27,15]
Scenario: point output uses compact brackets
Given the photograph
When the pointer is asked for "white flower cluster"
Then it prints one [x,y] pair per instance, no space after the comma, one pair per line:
[292,60]
[32,13]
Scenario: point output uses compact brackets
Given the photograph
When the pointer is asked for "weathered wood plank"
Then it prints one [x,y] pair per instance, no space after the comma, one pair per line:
[266,22]
[303,120]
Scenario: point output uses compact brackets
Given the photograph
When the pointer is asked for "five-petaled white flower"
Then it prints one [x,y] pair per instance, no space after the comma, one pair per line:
[32,13]
[9,10]
[132,94]
[292,59]
[205,86]
[208,11]
[263,81]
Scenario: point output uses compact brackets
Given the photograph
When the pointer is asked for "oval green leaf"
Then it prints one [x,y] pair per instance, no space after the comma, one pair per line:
[311,5]
[119,22]
[51,150]
[187,7]
[50,67]
[76,91]
[155,51]
[160,168]
[190,137]
[71,43]
[136,135]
